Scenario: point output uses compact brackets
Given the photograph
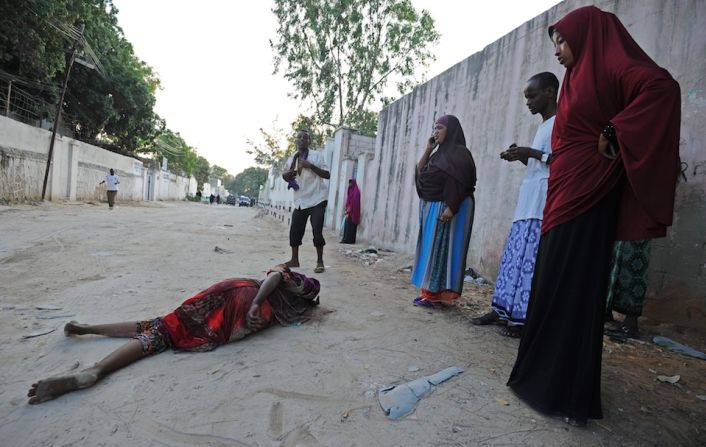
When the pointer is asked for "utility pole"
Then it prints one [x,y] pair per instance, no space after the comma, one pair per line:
[59,106]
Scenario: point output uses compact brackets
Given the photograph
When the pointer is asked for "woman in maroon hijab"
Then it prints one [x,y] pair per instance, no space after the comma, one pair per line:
[613,175]
[352,212]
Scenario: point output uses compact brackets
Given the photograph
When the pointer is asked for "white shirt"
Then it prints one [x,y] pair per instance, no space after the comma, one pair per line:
[111,182]
[533,191]
[312,188]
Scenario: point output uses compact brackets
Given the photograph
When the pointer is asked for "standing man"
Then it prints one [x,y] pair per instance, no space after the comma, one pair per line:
[111,181]
[514,280]
[307,175]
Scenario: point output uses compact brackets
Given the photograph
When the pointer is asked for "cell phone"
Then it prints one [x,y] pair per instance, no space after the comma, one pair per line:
[432,140]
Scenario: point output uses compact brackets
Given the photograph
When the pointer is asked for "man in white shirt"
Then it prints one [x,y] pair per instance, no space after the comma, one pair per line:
[514,280]
[111,181]
[307,174]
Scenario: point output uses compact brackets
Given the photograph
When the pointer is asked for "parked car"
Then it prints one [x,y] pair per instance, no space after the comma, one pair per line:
[230,200]
[244,201]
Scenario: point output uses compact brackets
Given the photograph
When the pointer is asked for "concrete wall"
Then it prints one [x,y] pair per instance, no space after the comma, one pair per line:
[485,92]
[76,169]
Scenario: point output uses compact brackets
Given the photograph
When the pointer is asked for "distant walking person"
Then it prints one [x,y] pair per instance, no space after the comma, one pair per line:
[352,212]
[211,199]
[307,176]
[514,280]
[445,180]
[111,181]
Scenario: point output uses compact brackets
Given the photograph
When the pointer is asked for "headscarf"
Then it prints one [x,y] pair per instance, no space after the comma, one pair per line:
[613,81]
[353,201]
[452,156]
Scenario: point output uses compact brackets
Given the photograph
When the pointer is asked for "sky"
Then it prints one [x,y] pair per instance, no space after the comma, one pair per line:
[215,64]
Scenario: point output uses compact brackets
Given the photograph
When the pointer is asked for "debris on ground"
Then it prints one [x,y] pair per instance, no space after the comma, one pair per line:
[368,256]
[669,379]
[39,333]
[222,251]
[53,317]
[47,307]
[400,400]
[472,276]
[675,346]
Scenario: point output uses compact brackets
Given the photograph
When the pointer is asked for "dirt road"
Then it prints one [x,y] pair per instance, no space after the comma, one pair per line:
[308,385]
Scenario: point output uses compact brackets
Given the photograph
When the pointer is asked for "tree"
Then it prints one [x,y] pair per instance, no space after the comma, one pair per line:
[248,182]
[181,158]
[201,171]
[341,54]
[275,146]
[219,173]
[114,102]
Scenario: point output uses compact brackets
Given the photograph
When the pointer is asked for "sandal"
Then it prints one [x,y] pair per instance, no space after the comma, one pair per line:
[489,318]
[421,302]
[622,333]
[511,331]
[319,268]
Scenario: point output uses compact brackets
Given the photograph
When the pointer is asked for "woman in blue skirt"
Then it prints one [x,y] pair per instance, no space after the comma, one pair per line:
[445,180]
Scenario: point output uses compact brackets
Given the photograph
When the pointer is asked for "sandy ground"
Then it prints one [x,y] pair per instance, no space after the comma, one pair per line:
[308,385]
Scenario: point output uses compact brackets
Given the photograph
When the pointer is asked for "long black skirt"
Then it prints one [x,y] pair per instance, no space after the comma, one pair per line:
[558,366]
[349,231]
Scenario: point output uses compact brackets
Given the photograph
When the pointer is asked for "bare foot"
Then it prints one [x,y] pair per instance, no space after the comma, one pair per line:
[292,263]
[74,328]
[54,387]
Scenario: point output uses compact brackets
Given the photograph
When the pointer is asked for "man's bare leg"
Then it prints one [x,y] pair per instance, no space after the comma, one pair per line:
[54,387]
[319,260]
[124,329]
[294,261]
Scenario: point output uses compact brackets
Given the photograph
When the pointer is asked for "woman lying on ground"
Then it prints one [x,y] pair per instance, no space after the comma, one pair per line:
[225,312]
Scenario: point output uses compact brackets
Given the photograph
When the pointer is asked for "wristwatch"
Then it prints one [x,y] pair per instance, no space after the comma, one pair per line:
[545,158]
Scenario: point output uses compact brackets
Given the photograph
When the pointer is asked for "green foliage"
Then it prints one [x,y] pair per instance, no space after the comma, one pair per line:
[201,171]
[275,146]
[219,173]
[340,55]
[248,182]
[182,159]
[269,149]
[118,108]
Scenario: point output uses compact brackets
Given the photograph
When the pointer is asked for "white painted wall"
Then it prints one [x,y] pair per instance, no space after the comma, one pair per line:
[76,170]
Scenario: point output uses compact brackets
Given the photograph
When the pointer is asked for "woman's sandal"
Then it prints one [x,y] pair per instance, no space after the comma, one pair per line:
[511,331]
[319,268]
[421,302]
[491,317]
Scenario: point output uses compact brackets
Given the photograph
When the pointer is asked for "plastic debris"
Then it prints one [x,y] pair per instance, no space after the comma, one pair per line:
[400,400]
[669,379]
[675,346]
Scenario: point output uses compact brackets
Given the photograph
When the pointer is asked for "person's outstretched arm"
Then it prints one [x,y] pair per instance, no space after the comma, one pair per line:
[268,286]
